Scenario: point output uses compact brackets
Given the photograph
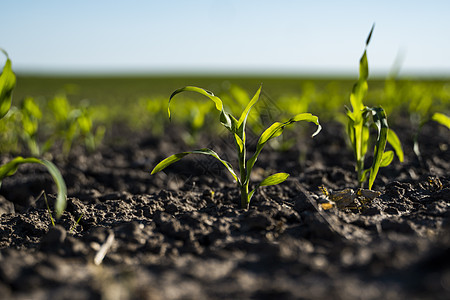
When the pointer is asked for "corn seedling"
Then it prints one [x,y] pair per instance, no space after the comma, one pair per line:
[360,119]
[30,116]
[197,115]
[9,137]
[421,109]
[49,211]
[438,117]
[237,128]
[72,228]
[85,124]
[50,215]
[7,84]
[71,124]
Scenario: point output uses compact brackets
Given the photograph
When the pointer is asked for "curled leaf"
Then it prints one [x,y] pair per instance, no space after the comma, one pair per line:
[11,167]
[226,119]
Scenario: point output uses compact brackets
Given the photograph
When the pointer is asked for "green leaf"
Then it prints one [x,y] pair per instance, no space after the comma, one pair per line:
[168,161]
[176,157]
[60,205]
[250,195]
[394,141]
[363,69]
[365,133]
[11,167]
[441,119]
[243,118]
[7,84]
[210,95]
[226,119]
[239,142]
[274,179]
[31,114]
[363,64]
[364,175]
[309,118]
[380,120]
[387,158]
[370,35]
[270,180]
[276,129]
[360,88]
[31,107]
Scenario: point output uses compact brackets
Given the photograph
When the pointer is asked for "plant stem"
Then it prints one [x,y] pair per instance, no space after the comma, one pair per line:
[243,185]
[244,196]
[360,169]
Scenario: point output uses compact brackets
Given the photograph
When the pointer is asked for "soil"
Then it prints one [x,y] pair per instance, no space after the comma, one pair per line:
[180,234]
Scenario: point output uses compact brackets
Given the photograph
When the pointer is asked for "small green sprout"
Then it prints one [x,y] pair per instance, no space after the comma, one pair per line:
[237,128]
[71,124]
[438,117]
[360,119]
[7,84]
[30,118]
[424,117]
[86,128]
[49,211]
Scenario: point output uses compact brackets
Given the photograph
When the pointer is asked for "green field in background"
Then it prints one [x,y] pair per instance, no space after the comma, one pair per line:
[105,89]
[141,102]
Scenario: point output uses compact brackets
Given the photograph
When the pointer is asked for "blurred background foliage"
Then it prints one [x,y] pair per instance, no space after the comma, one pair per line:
[60,111]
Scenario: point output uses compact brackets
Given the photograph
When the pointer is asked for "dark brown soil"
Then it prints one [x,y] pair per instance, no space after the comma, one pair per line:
[180,234]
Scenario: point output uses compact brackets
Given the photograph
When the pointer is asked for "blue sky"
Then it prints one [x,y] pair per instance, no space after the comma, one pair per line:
[232,36]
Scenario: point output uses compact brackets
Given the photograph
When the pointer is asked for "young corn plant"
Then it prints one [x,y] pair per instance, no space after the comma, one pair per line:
[85,124]
[73,124]
[360,119]
[30,116]
[438,117]
[7,84]
[237,129]
[423,109]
